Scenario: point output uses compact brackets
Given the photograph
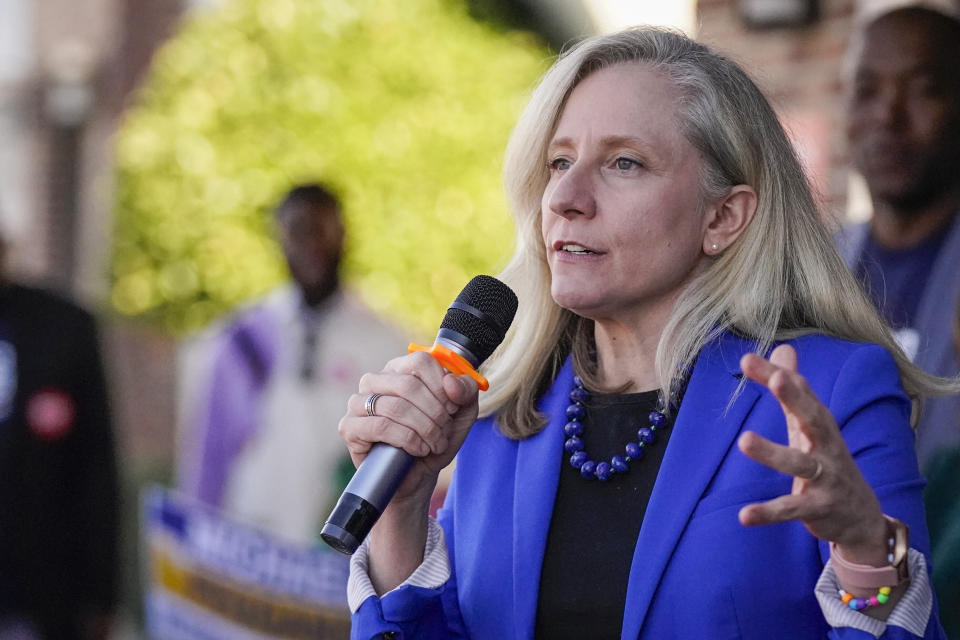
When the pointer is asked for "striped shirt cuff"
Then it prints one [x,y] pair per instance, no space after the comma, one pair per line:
[911,613]
[431,574]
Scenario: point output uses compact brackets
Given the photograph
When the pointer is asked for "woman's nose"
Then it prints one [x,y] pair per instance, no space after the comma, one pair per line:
[571,193]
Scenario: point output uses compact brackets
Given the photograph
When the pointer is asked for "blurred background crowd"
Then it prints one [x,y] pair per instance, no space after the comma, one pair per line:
[168,166]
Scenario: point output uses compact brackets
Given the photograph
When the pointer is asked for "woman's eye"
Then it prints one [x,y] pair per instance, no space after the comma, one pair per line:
[559,164]
[626,164]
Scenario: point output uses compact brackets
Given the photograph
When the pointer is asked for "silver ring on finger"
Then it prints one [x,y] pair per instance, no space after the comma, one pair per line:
[370,404]
[816,473]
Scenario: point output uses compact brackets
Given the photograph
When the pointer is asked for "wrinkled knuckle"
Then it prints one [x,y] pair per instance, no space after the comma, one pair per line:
[349,436]
[439,415]
[380,427]
[822,511]
[421,359]
[416,444]
[382,406]
[782,513]
[433,433]
[408,384]
[354,403]
[779,382]
[364,383]
[413,363]
[393,364]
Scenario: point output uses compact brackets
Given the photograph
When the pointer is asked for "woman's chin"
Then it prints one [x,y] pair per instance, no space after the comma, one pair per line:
[578,302]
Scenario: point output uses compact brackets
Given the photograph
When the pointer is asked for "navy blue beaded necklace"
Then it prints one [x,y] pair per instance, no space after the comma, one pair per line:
[603,471]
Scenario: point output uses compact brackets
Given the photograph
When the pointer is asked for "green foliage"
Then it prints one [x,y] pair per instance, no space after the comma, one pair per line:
[404,105]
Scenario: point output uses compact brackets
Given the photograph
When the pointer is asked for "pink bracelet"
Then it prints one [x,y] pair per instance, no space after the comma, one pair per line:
[862,578]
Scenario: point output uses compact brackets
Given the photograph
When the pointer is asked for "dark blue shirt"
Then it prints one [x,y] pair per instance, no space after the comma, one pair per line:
[896,278]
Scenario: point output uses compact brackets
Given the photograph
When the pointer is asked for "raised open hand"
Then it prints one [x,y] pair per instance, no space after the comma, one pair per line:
[829,494]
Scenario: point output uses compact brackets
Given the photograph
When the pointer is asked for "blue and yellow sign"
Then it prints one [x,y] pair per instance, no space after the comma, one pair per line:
[211,578]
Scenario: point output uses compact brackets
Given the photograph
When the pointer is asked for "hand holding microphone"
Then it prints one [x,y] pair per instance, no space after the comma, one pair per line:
[412,415]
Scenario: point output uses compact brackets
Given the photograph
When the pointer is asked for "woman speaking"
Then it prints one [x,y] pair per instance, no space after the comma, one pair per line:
[697,427]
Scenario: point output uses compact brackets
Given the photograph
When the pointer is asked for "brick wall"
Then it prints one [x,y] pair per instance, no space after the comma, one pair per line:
[799,69]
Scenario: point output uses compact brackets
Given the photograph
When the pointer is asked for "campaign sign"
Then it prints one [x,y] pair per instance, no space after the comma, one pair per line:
[211,578]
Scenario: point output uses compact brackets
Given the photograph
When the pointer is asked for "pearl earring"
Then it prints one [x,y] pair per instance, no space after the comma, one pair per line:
[714,246]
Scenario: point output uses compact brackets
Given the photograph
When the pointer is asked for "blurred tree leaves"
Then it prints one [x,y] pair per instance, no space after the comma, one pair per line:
[404,105]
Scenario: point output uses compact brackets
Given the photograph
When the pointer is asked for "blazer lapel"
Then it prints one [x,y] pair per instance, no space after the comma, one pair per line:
[703,433]
[535,490]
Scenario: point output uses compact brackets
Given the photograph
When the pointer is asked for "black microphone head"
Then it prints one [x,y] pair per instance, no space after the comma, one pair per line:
[480,316]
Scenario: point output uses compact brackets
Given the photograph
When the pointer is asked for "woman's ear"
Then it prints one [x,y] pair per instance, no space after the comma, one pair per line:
[728,217]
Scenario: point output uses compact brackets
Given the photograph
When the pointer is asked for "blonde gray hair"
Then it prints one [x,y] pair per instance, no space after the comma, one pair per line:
[782,277]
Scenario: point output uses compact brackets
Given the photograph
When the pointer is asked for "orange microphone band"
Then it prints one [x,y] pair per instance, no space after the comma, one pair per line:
[452,362]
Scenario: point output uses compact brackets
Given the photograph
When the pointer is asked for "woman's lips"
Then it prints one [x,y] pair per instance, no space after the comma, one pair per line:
[575,248]
[569,251]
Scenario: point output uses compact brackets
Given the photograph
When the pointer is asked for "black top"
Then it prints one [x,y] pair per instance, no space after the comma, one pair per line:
[58,474]
[595,525]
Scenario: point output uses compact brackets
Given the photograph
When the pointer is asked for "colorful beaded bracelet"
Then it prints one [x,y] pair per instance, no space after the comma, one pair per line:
[883,594]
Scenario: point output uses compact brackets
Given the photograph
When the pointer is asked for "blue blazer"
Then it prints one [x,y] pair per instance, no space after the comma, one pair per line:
[696,571]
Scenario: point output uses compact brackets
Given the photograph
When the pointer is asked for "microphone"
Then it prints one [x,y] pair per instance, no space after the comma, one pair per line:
[473,327]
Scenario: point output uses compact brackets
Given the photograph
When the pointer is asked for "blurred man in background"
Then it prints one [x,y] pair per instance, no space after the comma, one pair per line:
[261,429]
[904,133]
[58,474]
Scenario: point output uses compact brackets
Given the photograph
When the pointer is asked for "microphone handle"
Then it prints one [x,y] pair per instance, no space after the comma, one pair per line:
[363,501]
[383,470]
